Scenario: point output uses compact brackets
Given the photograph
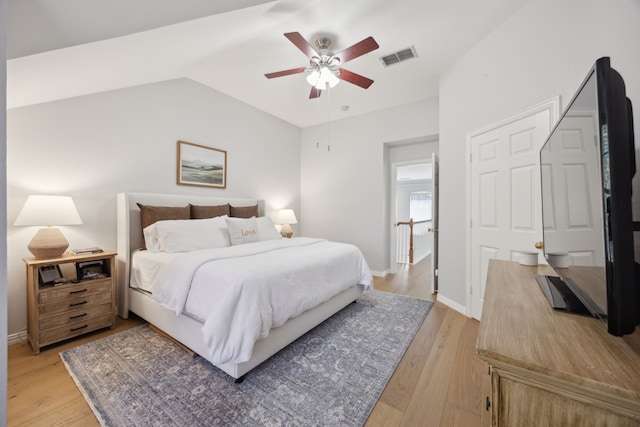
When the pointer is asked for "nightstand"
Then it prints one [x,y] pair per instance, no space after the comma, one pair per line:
[64,310]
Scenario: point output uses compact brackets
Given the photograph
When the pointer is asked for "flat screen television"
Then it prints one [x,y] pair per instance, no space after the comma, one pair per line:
[587,165]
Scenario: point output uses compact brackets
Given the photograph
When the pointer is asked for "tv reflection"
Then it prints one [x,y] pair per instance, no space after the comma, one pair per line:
[572,203]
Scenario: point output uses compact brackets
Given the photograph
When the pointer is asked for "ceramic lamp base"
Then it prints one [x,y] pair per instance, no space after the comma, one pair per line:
[286,230]
[48,243]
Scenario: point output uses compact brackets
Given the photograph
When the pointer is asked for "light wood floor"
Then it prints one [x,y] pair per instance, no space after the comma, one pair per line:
[439,382]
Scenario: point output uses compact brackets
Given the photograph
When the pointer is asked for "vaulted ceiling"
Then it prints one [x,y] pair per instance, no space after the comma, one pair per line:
[65,48]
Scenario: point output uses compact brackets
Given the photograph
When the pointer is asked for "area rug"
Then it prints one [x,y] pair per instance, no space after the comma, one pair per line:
[332,376]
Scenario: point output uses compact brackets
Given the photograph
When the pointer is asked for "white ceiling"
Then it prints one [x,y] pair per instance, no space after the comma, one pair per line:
[64,48]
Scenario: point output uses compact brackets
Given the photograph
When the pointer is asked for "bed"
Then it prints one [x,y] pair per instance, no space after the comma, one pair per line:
[170,311]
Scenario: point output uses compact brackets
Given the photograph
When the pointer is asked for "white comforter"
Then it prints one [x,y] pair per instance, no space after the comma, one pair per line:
[241,292]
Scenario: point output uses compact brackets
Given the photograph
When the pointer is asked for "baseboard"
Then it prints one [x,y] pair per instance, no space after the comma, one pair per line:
[379,273]
[17,338]
[452,304]
[420,258]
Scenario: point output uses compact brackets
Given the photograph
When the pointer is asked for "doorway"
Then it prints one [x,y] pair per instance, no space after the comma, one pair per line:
[414,200]
[410,196]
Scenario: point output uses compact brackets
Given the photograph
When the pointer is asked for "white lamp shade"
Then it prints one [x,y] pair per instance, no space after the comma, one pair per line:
[327,77]
[320,79]
[48,210]
[286,216]
[313,78]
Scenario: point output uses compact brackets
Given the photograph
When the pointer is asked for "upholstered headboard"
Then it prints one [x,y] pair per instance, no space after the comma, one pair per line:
[129,230]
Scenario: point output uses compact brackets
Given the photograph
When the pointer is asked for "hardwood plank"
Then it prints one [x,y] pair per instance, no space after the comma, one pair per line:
[454,416]
[384,415]
[465,391]
[429,399]
[402,385]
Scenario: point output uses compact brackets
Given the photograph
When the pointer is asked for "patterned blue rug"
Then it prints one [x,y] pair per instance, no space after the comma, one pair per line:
[332,376]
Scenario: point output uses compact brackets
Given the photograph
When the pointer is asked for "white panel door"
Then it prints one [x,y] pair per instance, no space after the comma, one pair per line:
[505,193]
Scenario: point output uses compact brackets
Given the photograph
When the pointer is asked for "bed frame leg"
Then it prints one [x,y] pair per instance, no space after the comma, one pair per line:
[239,380]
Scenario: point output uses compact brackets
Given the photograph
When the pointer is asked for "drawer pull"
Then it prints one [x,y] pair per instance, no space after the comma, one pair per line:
[487,404]
[77,329]
[78,316]
[77,303]
[78,292]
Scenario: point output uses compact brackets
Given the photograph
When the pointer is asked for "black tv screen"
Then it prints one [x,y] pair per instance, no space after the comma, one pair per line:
[587,165]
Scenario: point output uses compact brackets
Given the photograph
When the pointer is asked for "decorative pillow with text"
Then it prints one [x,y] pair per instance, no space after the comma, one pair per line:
[243,230]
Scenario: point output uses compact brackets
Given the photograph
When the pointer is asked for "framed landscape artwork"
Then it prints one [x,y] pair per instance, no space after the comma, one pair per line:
[201,165]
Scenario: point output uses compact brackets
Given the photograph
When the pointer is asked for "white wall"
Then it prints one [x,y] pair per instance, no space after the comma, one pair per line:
[3,214]
[343,191]
[93,147]
[544,50]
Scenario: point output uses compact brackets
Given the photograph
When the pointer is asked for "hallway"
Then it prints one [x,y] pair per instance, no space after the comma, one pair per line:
[413,280]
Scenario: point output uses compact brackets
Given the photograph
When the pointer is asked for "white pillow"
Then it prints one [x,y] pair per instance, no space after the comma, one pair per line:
[185,235]
[266,229]
[243,230]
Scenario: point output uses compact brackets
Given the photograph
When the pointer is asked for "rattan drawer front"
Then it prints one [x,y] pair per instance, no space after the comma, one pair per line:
[75,290]
[73,316]
[73,329]
[74,304]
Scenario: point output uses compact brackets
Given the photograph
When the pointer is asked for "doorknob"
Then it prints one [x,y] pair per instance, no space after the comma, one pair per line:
[539,245]
[433,230]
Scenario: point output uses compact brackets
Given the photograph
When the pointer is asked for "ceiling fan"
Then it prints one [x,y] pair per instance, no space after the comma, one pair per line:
[324,66]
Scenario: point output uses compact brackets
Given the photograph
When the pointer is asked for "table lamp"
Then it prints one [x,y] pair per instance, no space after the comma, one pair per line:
[49,242]
[286,217]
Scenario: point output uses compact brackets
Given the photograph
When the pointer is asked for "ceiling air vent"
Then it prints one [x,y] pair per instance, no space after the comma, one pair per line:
[399,56]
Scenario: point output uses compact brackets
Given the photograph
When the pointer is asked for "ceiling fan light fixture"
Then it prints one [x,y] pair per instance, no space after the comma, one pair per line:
[322,78]
[313,78]
[324,70]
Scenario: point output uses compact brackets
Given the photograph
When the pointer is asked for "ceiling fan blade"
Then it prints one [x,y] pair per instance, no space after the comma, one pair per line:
[315,93]
[358,49]
[286,72]
[354,78]
[300,42]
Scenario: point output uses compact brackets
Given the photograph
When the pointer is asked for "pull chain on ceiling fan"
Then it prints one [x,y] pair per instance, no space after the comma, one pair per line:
[324,66]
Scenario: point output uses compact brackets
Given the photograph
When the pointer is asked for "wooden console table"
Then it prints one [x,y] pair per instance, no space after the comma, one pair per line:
[550,368]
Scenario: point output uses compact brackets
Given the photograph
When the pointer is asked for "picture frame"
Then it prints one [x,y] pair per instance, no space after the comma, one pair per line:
[201,165]
[49,274]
